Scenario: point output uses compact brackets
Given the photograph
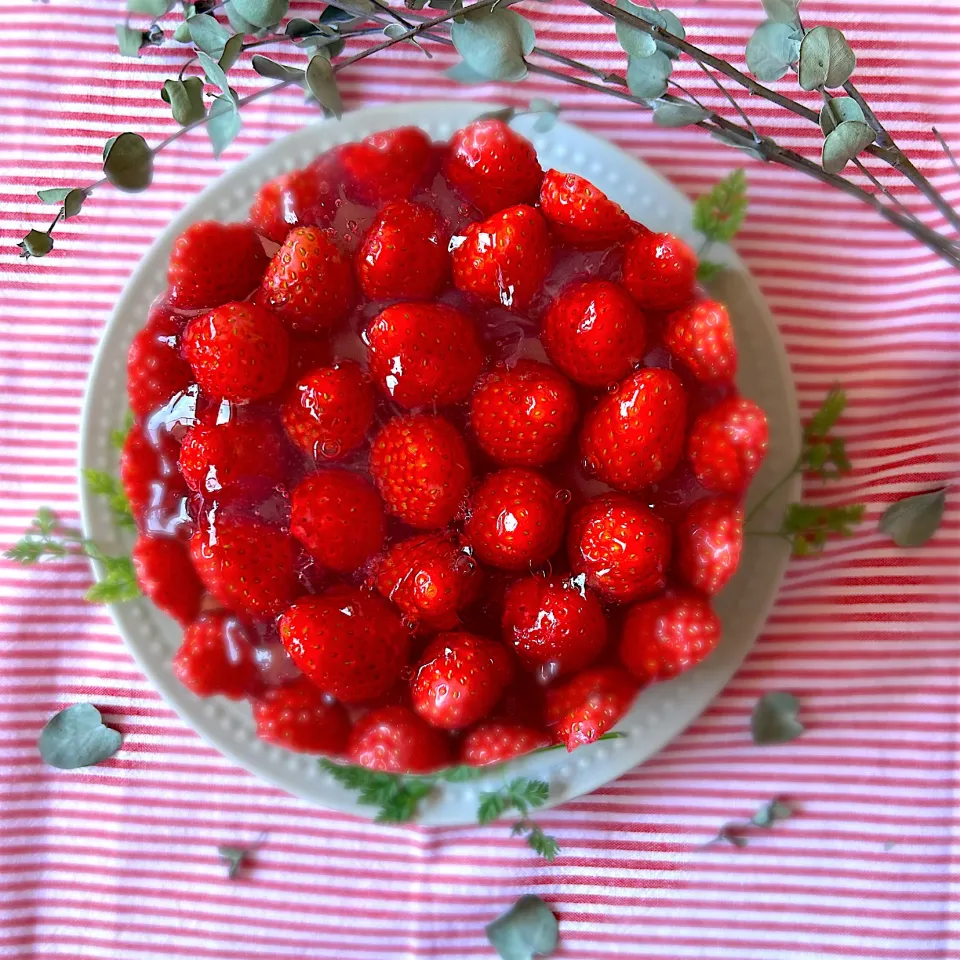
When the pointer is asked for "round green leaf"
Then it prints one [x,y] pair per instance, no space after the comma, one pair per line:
[224,124]
[152,8]
[836,110]
[214,73]
[647,76]
[826,59]
[911,522]
[77,737]
[261,13]
[231,51]
[672,24]
[462,72]
[129,40]
[669,114]
[774,719]
[53,194]
[527,928]
[208,34]
[182,33]
[36,244]
[72,203]
[128,162]
[322,83]
[275,71]
[772,49]
[844,143]
[493,43]
[781,11]
[236,21]
[185,98]
[633,41]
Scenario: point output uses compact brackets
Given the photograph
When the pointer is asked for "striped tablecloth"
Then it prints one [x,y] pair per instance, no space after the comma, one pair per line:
[119,861]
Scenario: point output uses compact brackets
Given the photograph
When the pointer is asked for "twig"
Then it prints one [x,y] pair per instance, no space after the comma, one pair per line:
[729,96]
[947,150]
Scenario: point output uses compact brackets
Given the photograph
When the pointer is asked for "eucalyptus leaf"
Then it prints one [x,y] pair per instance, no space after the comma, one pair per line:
[493,43]
[185,98]
[772,50]
[299,27]
[128,162]
[77,737]
[234,857]
[545,122]
[647,76]
[527,929]
[54,194]
[911,522]
[239,23]
[747,144]
[231,51]
[152,8]
[73,202]
[209,35]
[182,33]
[844,143]
[35,244]
[275,71]
[781,11]
[672,25]
[774,719]
[635,42]
[394,30]
[129,40]
[546,111]
[826,59]
[462,72]
[261,13]
[214,73]
[332,15]
[666,113]
[322,83]
[836,110]
[224,124]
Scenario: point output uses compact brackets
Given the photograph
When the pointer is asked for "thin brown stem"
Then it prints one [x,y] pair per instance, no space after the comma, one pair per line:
[729,96]
[947,150]
[887,193]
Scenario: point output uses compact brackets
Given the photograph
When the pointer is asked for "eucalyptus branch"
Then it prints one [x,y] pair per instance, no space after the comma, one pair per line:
[947,150]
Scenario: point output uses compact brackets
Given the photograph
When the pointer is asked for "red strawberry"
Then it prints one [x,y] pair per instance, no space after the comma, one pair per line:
[621,546]
[350,643]
[214,457]
[154,488]
[237,352]
[429,578]
[309,282]
[727,444]
[556,626]
[421,468]
[302,718]
[404,254]
[167,577]
[660,271]
[248,567]
[634,437]
[294,199]
[492,166]
[516,519]
[306,353]
[328,411]
[524,415]
[505,258]
[589,705]
[396,740]
[140,468]
[214,263]
[216,657]
[496,742]
[701,336]
[594,333]
[579,213]
[459,679]
[665,636]
[338,517]
[389,165]
[709,539]
[155,369]
[423,353]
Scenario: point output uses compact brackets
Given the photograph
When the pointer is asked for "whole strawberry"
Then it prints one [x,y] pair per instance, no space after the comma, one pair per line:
[663,637]
[516,519]
[214,263]
[727,444]
[155,370]
[391,165]
[496,742]
[556,625]
[708,541]
[328,410]
[237,352]
[216,658]
[166,576]
[589,705]
[621,547]
[300,717]
[349,643]
[302,197]
[634,436]
[309,282]
[701,336]
[404,254]
[504,259]
[523,415]
[141,467]
[395,740]
[424,353]
[492,166]
[579,213]
[660,271]
[421,468]
[459,680]
[338,517]
[217,456]
[595,333]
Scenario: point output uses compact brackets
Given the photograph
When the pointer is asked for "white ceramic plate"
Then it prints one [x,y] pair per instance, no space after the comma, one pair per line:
[660,712]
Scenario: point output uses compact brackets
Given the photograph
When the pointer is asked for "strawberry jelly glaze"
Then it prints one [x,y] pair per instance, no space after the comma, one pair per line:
[506,337]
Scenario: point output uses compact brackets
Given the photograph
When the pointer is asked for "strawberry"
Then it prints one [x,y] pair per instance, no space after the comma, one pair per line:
[140,468]
[214,263]
[423,353]
[350,643]
[556,626]
[166,576]
[390,165]
[701,337]
[579,213]
[429,578]
[665,636]
[153,487]
[306,353]
[496,742]
[237,352]
[516,519]
[338,517]
[394,739]
[459,679]
[214,457]
[492,166]
[634,436]
[621,546]
[216,657]
[727,444]
[302,197]
[328,411]
[523,415]
[708,542]
[404,254]
[247,566]
[155,369]
[300,717]
[659,270]
[309,282]
[505,258]
[586,707]
[594,333]
[421,468]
